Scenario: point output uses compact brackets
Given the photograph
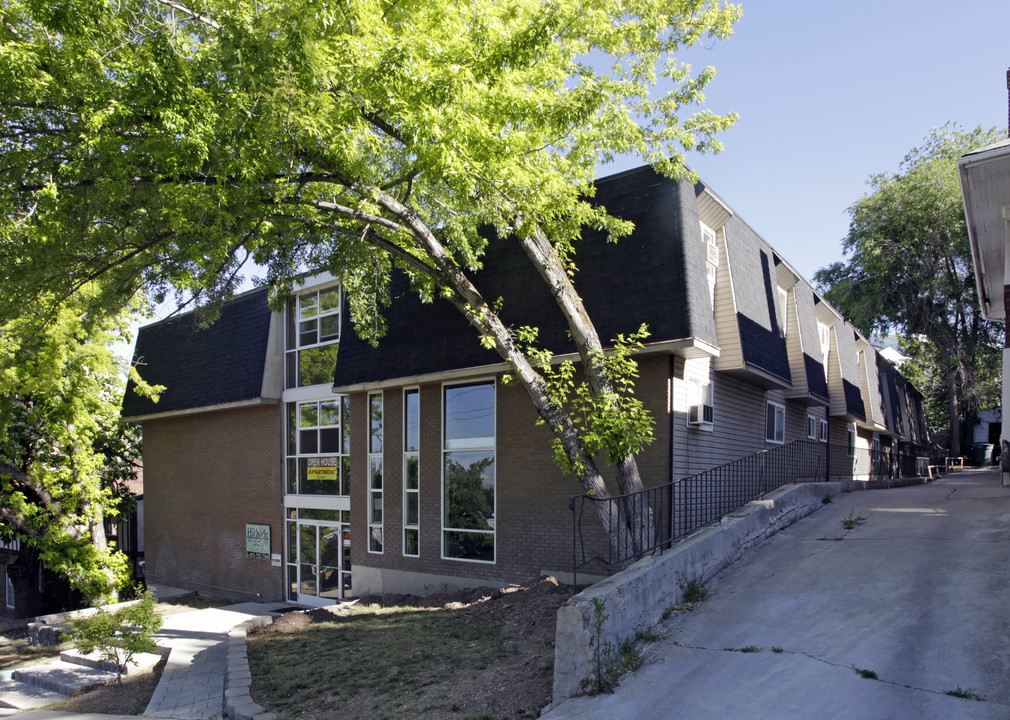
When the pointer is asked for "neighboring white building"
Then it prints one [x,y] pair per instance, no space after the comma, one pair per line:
[985,186]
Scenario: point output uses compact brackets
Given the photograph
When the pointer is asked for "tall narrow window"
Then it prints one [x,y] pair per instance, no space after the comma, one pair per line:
[711,258]
[313,335]
[375,473]
[850,441]
[824,337]
[411,473]
[782,310]
[775,423]
[468,472]
[10,593]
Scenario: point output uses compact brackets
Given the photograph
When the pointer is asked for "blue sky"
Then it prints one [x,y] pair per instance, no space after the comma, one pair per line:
[831,93]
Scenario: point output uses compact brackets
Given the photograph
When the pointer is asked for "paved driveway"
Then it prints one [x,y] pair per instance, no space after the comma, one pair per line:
[917,593]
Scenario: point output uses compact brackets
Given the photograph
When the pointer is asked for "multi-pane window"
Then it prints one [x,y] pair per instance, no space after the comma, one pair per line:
[375,473]
[411,473]
[468,472]
[318,461]
[313,335]
[813,427]
[824,431]
[775,423]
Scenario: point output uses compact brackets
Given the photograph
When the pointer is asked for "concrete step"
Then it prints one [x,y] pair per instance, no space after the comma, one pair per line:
[21,696]
[140,661]
[62,677]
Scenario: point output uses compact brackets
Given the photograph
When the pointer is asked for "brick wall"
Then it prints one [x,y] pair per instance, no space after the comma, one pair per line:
[206,476]
[533,522]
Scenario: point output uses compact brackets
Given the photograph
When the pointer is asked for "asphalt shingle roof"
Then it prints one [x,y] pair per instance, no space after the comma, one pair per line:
[203,367]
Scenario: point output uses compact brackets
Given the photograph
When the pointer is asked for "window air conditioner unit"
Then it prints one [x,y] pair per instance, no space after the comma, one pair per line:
[700,414]
[713,253]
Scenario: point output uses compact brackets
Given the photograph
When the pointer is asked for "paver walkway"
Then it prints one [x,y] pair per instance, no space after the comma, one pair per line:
[192,685]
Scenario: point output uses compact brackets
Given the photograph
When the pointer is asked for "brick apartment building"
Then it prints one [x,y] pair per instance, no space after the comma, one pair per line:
[277,467]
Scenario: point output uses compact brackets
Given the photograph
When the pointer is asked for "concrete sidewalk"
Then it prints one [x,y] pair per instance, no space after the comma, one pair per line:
[915,593]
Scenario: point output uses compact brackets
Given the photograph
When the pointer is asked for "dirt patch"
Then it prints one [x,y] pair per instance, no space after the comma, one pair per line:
[483,653]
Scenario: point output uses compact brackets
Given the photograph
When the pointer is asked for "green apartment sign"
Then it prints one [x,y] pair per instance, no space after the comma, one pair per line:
[257,541]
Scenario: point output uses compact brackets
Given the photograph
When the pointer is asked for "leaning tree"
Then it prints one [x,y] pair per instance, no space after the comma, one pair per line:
[159,144]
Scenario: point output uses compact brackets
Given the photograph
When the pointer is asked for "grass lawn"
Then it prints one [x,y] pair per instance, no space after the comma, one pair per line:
[375,662]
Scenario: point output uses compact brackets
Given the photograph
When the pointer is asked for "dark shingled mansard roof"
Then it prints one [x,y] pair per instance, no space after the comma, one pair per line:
[220,364]
[641,279]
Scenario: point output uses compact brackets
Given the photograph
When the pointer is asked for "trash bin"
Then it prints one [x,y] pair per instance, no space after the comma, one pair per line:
[983,454]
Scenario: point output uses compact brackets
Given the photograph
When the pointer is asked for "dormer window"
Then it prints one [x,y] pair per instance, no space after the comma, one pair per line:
[781,309]
[708,238]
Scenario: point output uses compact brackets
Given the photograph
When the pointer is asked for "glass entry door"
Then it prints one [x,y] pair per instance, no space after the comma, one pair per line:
[319,561]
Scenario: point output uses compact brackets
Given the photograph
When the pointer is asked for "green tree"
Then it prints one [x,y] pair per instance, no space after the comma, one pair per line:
[160,144]
[64,457]
[909,269]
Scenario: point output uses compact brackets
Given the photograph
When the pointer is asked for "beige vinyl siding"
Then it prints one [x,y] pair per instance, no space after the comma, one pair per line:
[870,385]
[738,428]
[845,366]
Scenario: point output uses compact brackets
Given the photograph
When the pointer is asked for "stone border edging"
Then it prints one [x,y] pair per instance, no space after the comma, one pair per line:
[238,704]
[636,597]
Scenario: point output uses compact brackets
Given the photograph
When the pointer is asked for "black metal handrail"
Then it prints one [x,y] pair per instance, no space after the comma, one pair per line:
[680,507]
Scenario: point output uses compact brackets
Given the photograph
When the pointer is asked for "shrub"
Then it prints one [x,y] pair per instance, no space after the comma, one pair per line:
[119,635]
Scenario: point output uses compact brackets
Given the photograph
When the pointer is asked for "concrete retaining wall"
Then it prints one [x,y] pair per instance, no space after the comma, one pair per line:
[636,598]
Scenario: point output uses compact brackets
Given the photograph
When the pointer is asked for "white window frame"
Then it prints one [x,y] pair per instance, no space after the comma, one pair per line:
[824,431]
[710,240]
[850,441]
[813,427]
[293,345]
[776,433]
[824,339]
[295,455]
[700,393]
[783,309]
[463,445]
[409,455]
[376,540]
[9,600]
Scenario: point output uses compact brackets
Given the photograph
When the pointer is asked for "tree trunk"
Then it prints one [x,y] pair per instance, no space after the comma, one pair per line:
[24,576]
[953,409]
[471,304]
[545,258]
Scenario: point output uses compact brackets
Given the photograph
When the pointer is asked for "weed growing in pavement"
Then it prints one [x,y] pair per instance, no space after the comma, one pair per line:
[866,674]
[693,590]
[648,635]
[777,650]
[853,521]
[750,649]
[609,662]
[966,694]
[827,499]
